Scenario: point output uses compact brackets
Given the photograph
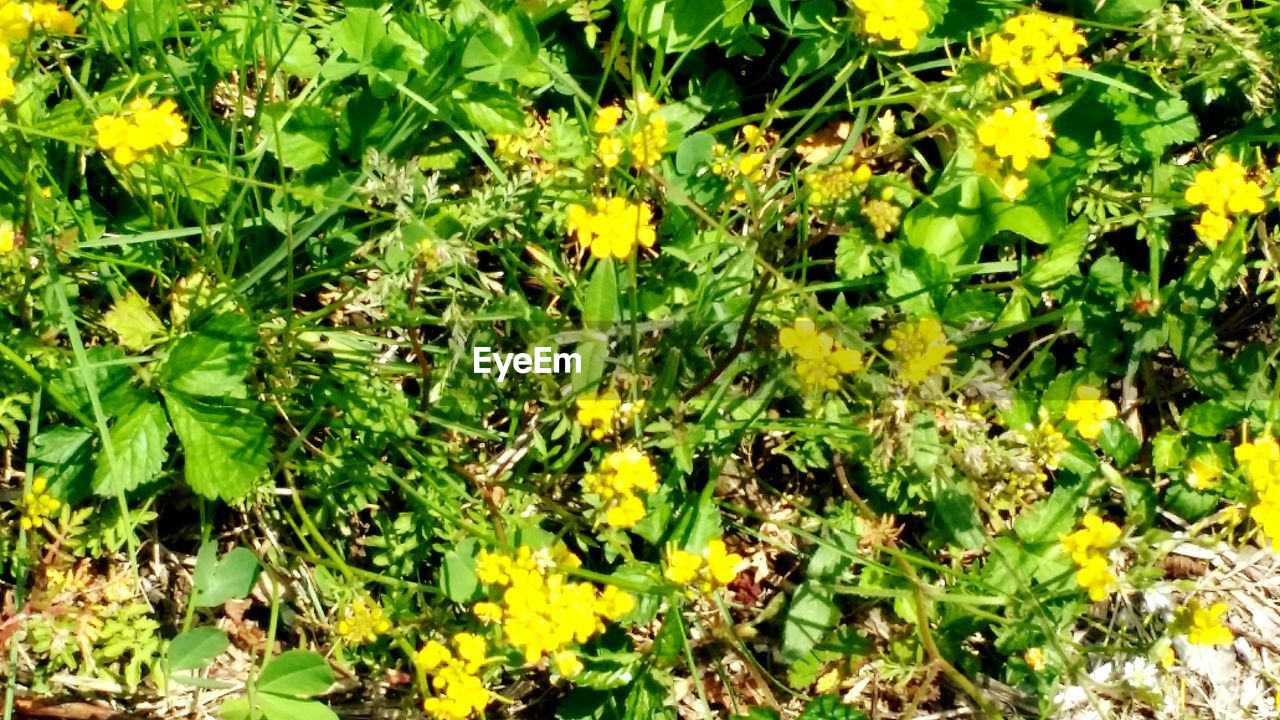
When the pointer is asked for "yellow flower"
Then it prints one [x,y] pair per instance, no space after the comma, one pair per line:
[567,663]
[621,474]
[1035,658]
[1095,535]
[37,505]
[609,151]
[488,613]
[113,5]
[140,130]
[1204,471]
[471,651]
[625,514]
[1088,410]
[821,360]
[613,227]
[682,567]
[1225,191]
[49,17]
[362,622]
[1168,658]
[1205,626]
[1096,578]
[607,118]
[894,20]
[646,103]
[828,682]
[596,414]
[920,350]
[1017,133]
[431,656]
[649,143]
[8,237]
[1260,461]
[714,568]
[722,565]
[542,612]
[832,184]
[7,87]
[1035,47]
[614,604]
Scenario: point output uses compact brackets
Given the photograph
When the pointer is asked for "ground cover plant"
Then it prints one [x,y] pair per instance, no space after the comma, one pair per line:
[887,358]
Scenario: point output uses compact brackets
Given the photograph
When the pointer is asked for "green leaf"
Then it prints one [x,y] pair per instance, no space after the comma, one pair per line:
[226,448]
[359,34]
[138,441]
[296,673]
[1061,260]
[132,320]
[1167,450]
[504,51]
[647,700]
[694,153]
[1119,442]
[300,139]
[607,673]
[275,707]
[956,513]
[811,615]
[1210,418]
[458,576]
[217,581]
[600,303]
[194,648]
[853,254]
[212,361]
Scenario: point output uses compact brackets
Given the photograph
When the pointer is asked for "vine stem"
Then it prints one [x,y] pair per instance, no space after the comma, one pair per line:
[921,603]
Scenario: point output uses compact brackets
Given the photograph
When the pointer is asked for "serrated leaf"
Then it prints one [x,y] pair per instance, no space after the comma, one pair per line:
[296,673]
[194,648]
[226,448]
[138,441]
[853,254]
[212,361]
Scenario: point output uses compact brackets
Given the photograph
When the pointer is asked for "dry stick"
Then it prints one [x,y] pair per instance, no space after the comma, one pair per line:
[739,343]
[415,341]
[922,622]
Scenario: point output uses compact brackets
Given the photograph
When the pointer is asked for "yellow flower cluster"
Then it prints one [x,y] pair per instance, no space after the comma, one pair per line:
[1260,461]
[821,360]
[1015,134]
[362,622]
[140,130]
[1045,442]
[920,350]
[1204,626]
[613,227]
[1088,547]
[17,20]
[1225,191]
[458,691]
[836,183]
[647,143]
[714,568]
[1035,658]
[602,414]
[38,505]
[748,165]
[622,473]
[883,214]
[541,612]
[1088,410]
[1036,47]
[894,20]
